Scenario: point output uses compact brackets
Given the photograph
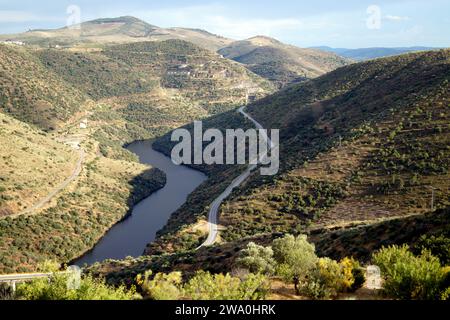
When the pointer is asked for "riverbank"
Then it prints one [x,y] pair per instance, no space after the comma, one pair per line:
[130,237]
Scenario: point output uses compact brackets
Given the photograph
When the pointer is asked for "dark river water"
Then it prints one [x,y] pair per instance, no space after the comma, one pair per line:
[130,237]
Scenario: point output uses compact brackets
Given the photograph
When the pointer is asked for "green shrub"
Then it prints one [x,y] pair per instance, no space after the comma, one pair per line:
[257,259]
[407,276]
[205,286]
[163,286]
[57,289]
[439,246]
[325,281]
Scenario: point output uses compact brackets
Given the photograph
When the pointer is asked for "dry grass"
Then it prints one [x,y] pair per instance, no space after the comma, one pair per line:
[32,164]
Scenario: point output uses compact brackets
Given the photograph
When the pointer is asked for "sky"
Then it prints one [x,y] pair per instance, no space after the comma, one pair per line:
[338,23]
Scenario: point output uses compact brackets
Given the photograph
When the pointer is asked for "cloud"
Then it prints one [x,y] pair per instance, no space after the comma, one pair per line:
[12,16]
[397,18]
[218,19]
[245,28]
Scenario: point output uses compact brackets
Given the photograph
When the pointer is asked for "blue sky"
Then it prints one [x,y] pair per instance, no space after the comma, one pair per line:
[344,23]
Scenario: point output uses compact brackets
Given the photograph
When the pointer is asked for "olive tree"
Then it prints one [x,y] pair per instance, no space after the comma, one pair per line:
[257,259]
[295,257]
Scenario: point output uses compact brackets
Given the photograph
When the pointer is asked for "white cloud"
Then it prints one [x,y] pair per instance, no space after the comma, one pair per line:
[217,19]
[397,18]
[12,16]
[17,16]
[245,28]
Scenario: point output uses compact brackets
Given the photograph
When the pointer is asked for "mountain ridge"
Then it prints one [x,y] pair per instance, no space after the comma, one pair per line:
[281,63]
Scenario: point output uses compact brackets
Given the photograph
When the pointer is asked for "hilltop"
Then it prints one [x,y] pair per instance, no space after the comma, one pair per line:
[281,63]
[99,32]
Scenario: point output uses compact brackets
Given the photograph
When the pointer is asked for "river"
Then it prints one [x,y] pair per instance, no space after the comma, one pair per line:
[130,237]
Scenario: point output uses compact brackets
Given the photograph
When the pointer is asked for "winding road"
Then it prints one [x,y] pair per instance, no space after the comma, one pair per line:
[213,216]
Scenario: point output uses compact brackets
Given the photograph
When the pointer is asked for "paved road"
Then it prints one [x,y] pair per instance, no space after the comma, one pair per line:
[213,218]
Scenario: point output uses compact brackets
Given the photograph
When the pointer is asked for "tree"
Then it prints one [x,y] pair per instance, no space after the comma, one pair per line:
[257,259]
[296,257]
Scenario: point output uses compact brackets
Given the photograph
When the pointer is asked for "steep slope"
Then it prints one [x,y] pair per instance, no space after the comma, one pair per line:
[99,32]
[281,63]
[362,144]
[32,93]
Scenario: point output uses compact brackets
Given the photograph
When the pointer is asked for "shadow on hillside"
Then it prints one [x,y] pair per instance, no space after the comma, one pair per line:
[143,185]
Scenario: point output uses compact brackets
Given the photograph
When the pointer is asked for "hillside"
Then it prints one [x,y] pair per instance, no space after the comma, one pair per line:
[283,64]
[100,32]
[145,89]
[363,54]
[32,93]
[126,93]
[32,165]
[357,146]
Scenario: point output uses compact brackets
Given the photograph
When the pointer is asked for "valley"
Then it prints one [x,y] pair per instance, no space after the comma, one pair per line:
[87,178]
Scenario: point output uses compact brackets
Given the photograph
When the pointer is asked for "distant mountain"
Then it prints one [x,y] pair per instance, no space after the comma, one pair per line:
[281,63]
[115,30]
[371,53]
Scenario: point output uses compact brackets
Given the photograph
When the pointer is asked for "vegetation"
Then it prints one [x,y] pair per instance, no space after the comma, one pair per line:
[411,277]
[58,288]
[204,286]
[296,257]
[32,93]
[257,259]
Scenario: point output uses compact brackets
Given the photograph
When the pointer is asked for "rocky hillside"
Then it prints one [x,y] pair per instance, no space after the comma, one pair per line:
[283,64]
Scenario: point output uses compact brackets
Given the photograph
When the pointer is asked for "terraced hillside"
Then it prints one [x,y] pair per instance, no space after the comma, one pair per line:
[365,143]
[283,64]
[145,89]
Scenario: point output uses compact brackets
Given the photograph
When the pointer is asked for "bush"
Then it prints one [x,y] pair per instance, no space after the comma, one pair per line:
[295,257]
[205,286]
[354,277]
[257,259]
[57,289]
[325,281]
[163,286]
[410,277]
[439,246]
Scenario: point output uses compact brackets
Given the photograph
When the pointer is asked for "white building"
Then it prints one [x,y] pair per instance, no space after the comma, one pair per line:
[84,124]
